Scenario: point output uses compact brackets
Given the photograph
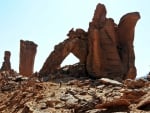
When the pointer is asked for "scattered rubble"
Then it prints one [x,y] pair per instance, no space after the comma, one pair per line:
[71,95]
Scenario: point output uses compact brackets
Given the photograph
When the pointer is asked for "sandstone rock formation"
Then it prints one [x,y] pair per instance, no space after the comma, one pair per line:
[125,40]
[103,59]
[111,51]
[6,66]
[76,44]
[106,49]
[27,56]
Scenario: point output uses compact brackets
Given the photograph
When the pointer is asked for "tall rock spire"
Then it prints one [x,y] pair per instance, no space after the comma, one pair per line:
[27,57]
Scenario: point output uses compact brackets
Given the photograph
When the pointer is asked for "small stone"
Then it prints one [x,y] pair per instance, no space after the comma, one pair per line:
[100,86]
[110,81]
[68,98]
[96,111]
[60,105]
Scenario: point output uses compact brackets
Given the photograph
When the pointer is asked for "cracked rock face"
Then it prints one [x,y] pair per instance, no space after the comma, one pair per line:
[106,49]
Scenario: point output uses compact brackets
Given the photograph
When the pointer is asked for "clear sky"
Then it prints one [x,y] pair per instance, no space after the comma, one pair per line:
[46,22]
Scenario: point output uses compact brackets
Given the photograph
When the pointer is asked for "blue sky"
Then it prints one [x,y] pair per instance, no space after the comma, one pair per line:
[46,22]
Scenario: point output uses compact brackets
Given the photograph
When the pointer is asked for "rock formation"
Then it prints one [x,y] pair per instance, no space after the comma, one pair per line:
[27,56]
[76,44]
[6,66]
[125,41]
[103,59]
[106,49]
[111,51]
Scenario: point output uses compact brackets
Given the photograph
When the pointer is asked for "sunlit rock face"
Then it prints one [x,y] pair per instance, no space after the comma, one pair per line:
[106,49]
[110,45]
[27,57]
[76,44]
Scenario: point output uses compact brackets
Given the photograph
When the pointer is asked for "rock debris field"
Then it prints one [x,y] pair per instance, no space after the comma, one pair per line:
[67,94]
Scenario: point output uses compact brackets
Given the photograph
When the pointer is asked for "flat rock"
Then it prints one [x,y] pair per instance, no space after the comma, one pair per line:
[110,81]
[144,104]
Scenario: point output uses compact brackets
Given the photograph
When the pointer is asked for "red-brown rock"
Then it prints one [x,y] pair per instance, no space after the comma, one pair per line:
[27,56]
[111,51]
[115,103]
[6,66]
[106,49]
[125,39]
[76,44]
[144,104]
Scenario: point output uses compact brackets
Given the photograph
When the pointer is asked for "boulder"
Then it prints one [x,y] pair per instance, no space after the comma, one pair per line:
[144,104]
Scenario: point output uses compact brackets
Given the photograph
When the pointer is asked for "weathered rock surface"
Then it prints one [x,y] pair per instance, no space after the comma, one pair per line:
[110,46]
[125,38]
[6,66]
[103,58]
[27,56]
[106,49]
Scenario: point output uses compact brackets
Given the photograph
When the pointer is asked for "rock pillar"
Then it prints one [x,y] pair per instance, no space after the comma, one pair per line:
[27,56]
[126,29]
[6,66]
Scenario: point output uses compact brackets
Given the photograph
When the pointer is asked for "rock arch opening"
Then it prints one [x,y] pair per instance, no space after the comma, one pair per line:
[70,60]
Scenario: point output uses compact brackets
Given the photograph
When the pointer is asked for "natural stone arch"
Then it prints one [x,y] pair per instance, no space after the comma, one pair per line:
[75,44]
